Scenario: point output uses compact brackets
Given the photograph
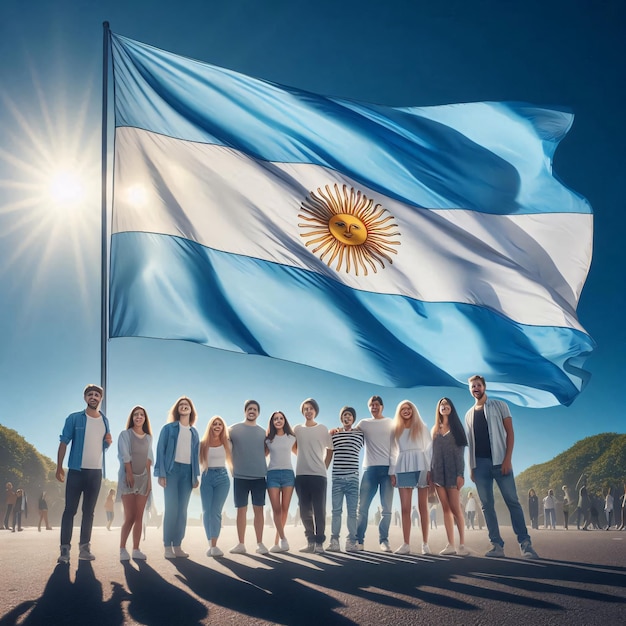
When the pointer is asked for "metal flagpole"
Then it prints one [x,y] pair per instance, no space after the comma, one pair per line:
[104,287]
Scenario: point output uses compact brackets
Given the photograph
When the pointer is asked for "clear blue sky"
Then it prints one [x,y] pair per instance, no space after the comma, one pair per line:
[398,53]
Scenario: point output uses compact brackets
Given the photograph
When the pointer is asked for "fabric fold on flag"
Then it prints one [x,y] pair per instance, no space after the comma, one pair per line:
[400,246]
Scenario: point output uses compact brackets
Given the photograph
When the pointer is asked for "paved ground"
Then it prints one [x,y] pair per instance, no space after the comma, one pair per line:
[581,579]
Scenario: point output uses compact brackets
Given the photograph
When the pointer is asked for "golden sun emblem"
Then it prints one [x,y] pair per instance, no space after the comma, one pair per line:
[348,229]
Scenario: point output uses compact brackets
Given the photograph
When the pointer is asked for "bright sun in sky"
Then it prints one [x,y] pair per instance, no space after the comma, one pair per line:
[66,187]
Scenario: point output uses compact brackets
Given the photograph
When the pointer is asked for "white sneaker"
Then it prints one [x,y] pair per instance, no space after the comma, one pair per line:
[169,552]
[138,555]
[261,549]
[284,545]
[319,548]
[214,551]
[309,548]
[425,549]
[462,550]
[275,548]
[359,547]
[85,552]
[240,548]
[449,549]
[351,546]
[384,546]
[180,553]
[124,556]
[403,549]
[333,546]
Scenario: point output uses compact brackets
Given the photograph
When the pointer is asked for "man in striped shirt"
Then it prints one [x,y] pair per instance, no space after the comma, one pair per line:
[347,444]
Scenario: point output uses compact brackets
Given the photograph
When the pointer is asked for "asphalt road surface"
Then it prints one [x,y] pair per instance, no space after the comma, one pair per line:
[579,580]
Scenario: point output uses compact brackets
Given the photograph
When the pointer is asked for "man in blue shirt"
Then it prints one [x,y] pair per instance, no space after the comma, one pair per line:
[88,431]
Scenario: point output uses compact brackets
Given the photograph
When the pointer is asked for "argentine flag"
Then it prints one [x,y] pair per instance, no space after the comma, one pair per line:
[401,246]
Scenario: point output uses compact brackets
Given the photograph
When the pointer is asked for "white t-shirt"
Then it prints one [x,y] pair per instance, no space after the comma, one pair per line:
[280,452]
[183,445]
[92,448]
[378,434]
[313,441]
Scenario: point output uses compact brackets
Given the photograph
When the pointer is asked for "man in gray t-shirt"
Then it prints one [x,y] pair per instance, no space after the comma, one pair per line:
[249,470]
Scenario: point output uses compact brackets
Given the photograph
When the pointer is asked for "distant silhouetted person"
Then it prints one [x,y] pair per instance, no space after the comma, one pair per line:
[20,508]
[10,498]
[42,506]
[549,510]
[109,508]
[567,502]
[608,508]
[622,526]
[584,504]
[491,437]
[415,516]
[470,510]
[533,508]
[88,432]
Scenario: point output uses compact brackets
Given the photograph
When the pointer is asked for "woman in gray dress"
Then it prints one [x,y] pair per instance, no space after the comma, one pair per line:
[135,454]
[447,471]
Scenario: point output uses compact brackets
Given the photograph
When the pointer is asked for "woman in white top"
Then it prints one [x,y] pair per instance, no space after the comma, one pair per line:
[279,445]
[410,455]
[133,483]
[177,467]
[214,455]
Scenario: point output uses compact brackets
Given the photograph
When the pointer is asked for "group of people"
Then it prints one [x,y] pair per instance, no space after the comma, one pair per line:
[16,508]
[585,508]
[400,453]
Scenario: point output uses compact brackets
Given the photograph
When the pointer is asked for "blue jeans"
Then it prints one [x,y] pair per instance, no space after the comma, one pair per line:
[85,482]
[177,493]
[485,473]
[374,478]
[347,486]
[213,491]
[550,518]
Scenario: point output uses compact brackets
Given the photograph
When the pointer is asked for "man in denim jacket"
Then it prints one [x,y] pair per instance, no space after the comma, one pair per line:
[88,431]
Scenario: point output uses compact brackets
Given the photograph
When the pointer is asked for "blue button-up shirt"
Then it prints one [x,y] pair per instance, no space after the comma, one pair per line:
[74,431]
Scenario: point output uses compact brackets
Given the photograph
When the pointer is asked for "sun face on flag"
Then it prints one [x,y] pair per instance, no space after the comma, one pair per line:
[348,229]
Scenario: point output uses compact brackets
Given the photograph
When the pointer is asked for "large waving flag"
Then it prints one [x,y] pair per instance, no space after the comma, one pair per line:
[401,246]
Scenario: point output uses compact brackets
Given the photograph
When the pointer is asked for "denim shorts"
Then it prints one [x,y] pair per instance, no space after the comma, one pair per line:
[244,486]
[280,478]
[407,479]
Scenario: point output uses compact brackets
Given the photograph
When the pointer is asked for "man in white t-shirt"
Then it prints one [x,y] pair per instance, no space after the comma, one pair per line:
[377,431]
[89,435]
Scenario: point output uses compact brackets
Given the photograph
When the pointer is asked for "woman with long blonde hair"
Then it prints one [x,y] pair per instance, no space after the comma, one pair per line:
[215,455]
[410,456]
[447,471]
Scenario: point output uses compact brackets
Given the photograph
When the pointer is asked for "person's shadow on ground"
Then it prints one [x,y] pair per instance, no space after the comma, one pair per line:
[63,602]
[155,601]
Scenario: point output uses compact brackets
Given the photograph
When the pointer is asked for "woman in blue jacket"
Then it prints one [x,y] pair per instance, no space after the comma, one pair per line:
[178,469]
